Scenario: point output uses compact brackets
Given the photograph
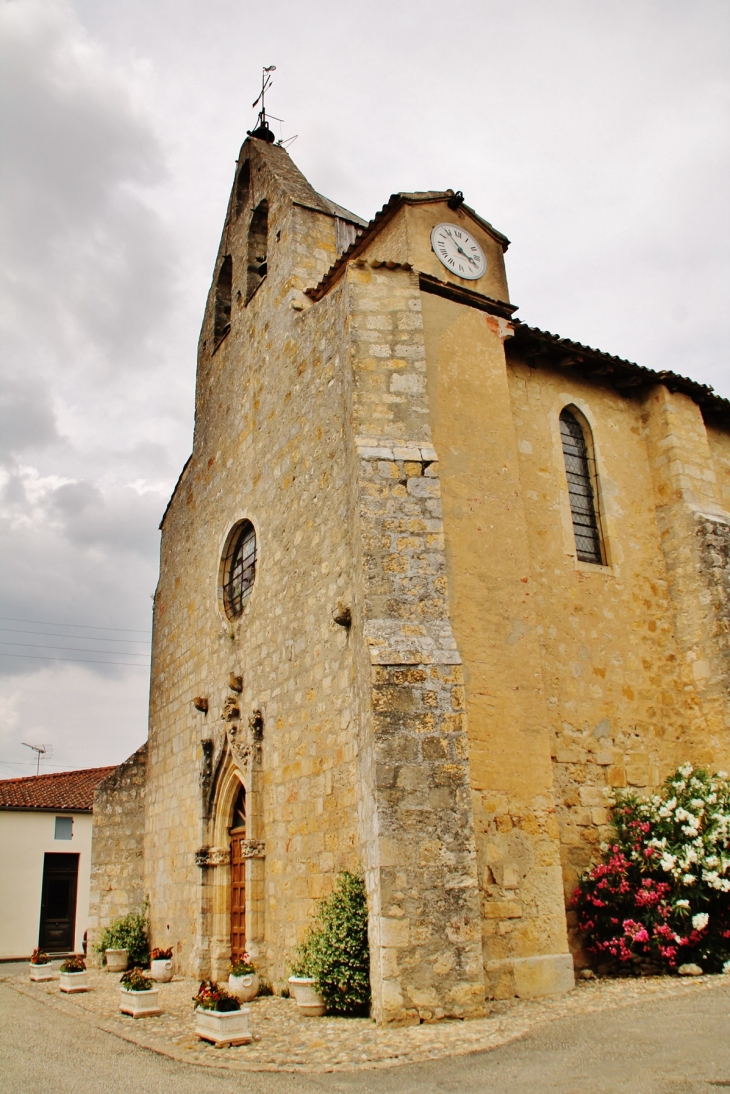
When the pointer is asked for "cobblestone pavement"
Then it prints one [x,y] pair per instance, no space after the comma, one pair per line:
[284,1041]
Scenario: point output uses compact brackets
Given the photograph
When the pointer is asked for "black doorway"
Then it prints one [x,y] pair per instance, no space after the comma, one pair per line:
[58,903]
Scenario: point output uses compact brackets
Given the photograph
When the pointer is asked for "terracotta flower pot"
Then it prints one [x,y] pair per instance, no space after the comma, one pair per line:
[140,1004]
[39,973]
[308,999]
[161,970]
[223,1027]
[244,987]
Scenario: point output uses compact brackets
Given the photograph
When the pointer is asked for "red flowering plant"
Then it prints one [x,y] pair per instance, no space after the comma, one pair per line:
[39,957]
[213,997]
[158,954]
[662,891]
[243,966]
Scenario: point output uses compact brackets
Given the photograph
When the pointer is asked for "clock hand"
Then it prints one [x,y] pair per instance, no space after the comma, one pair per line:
[461,251]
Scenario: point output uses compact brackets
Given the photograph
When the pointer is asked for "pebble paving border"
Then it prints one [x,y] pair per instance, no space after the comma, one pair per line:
[284,1041]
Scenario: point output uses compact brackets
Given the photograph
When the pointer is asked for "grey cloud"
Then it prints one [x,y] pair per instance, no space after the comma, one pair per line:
[76,555]
[90,266]
[26,416]
[120,520]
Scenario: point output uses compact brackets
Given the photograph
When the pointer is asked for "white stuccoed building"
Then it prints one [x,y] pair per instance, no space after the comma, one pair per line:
[45,861]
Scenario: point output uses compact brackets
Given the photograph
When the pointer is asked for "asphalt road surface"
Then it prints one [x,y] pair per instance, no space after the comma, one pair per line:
[669,1046]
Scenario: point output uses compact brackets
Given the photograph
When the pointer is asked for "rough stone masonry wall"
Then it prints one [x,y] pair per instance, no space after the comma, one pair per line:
[420,851]
[624,702]
[714,549]
[117,842]
[269,446]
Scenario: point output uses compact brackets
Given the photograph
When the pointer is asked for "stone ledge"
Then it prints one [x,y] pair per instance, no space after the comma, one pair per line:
[375,448]
[530,977]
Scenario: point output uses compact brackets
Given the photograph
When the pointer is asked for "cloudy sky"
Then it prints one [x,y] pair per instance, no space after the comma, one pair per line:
[594,133]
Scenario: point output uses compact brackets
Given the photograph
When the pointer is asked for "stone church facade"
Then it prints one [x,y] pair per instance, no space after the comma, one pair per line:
[431,581]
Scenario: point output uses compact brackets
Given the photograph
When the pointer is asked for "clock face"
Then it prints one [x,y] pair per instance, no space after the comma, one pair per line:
[458,251]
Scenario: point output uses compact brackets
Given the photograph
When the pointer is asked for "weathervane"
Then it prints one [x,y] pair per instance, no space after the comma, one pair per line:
[262,130]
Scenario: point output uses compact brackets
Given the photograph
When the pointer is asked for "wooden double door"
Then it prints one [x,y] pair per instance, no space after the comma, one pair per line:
[238,893]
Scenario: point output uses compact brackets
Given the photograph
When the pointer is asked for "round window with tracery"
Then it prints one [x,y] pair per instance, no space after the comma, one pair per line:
[239,569]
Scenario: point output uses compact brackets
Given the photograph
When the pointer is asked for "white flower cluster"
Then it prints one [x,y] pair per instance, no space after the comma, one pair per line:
[693,830]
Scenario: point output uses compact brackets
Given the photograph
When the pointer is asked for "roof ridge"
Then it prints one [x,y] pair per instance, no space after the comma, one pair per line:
[25,779]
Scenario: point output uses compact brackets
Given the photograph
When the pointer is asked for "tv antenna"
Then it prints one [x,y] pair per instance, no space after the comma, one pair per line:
[262,130]
[40,750]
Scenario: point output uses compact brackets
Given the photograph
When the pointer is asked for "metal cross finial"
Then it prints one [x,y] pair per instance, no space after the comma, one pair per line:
[265,85]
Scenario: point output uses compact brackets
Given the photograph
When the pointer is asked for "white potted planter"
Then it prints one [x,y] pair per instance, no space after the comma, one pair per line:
[73,981]
[244,987]
[223,1027]
[116,960]
[161,970]
[39,973]
[140,1004]
[308,999]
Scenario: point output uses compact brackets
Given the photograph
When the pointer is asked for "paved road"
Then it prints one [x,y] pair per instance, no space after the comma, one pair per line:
[669,1046]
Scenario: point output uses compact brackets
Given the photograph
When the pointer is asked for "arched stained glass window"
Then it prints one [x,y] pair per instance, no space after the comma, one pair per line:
[580,471]
[239,569]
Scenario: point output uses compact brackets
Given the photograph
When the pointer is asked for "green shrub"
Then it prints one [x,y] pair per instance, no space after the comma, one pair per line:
[336,952]
[662,892]
[130,934]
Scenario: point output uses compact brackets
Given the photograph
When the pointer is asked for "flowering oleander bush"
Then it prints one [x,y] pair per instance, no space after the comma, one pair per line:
[213,997]
[243,967]
[39,957]
[662,891]
[135,980]
[161,955]
[74,964]
[336,952]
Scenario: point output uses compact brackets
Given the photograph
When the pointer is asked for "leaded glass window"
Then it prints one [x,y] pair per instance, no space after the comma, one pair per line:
[580,471]
[239,571]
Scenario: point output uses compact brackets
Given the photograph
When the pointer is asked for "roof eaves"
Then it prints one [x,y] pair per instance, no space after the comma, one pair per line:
[45,808]
[625,375]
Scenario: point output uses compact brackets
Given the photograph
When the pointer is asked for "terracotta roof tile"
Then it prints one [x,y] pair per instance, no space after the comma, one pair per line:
[68,790]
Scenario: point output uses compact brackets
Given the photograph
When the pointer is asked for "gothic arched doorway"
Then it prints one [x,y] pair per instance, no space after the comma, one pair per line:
[238,877]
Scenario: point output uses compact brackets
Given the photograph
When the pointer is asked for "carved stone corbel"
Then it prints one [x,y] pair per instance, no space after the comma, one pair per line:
[213,856]
[253,848]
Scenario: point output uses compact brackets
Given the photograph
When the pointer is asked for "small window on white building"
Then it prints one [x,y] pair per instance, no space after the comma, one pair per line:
[64,828]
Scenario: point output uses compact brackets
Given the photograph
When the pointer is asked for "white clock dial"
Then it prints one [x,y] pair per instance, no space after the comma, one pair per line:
[458,251]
